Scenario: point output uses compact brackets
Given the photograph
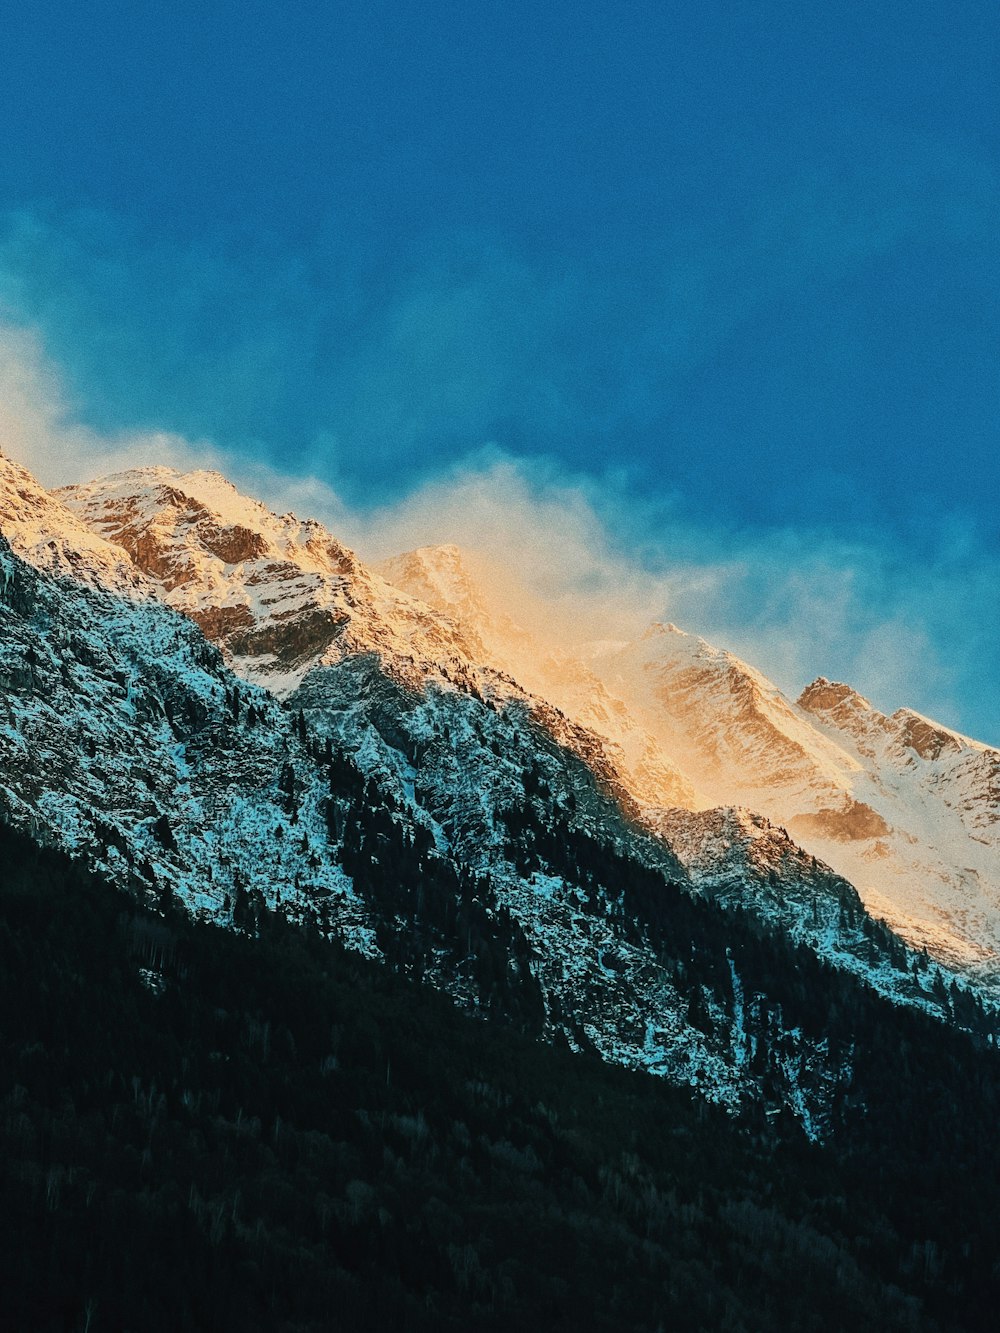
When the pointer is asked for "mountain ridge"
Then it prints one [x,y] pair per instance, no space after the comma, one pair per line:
[669,721]
[903,807]
[439,823]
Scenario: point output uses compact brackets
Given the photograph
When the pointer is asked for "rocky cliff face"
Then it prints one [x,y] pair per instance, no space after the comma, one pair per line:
[278,595]
[43,532]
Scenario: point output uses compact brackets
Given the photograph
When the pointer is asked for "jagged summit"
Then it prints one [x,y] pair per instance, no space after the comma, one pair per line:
[730,727]
[658,628]
[836,689]
[841,706]
[930,739]
[279,594]
[440,576]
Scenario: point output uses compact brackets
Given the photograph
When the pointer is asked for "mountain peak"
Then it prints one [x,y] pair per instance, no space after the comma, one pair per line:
[45,533]
[439,576]
[823,695]
[660,629]
[442,556]
[148,492]
[277,594]
[442,553]
[929,739]
[841,706]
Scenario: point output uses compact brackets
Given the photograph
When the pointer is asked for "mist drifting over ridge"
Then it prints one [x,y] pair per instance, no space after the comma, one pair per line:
[599,561]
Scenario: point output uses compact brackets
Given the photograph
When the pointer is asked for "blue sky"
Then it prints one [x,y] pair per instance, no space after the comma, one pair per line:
[730,270]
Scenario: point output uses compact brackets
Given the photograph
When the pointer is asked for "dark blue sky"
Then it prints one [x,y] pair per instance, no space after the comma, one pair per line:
[742,254]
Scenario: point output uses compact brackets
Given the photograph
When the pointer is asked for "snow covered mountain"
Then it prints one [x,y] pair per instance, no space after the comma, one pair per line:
[51,538]
[282,597]
[424,809]
[935,875]
[279,595]
[667,722]
[294,610]
[905,809]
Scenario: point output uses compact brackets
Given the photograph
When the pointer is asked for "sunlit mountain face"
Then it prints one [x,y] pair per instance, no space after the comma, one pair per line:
[906,810]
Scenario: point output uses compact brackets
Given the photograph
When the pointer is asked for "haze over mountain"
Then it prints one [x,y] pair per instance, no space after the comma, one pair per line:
[907,810]
[902,808]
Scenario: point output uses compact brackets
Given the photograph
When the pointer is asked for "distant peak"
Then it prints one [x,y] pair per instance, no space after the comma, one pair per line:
[157,471]
[930,739]
[138,478]
[823,696]
[660,628]
[207,474]
[447,553]
[441,568]
[845,708]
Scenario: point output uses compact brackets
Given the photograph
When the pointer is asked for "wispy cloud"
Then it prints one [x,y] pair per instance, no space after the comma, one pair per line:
[581,557]
[353,387]
[39,428]
[906,629]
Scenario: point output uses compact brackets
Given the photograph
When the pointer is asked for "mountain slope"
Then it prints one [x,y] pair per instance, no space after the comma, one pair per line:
[278,594]
[218,555]
[666,722]
[296,1131]
[447,832]
[440,576]
[281,596]
[906,810]
[903,808]
[225,1091]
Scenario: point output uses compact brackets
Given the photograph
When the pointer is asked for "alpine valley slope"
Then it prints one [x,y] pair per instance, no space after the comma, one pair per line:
[426,810]
[903,807]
